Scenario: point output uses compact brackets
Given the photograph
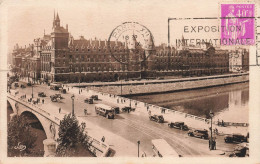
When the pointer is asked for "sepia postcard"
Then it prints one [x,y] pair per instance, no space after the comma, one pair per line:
[130,81]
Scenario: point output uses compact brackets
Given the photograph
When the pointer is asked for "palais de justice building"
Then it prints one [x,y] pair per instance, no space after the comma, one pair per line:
[60,57]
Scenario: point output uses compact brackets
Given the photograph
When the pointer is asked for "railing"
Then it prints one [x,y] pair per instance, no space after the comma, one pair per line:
[96,147]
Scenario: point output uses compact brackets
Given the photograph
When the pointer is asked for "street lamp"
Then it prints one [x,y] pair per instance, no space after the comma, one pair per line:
[130,94]
[211,114]
[72,98]
[32,90]
[138,143]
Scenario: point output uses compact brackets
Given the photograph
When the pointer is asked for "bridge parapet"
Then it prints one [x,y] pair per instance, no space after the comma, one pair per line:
[48,120]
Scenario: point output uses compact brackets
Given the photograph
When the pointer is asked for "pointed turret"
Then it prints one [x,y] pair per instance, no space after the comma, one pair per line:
[57,17]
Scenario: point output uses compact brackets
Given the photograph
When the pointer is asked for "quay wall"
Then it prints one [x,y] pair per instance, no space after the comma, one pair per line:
[153,87]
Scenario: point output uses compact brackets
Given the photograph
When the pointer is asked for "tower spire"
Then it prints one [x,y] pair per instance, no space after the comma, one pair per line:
[57,17]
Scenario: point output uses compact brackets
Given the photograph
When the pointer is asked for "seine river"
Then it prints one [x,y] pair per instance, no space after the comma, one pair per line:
[229,103]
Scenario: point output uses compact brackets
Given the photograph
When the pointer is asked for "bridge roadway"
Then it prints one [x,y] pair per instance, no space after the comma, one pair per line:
[126,129]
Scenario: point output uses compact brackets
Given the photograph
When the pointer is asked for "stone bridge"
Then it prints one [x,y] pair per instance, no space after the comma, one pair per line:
[50,124]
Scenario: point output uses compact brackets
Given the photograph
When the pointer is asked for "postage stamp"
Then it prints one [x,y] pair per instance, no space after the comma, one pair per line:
[238,24]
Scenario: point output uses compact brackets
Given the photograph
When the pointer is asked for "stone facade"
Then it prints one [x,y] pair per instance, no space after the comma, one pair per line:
[60,57]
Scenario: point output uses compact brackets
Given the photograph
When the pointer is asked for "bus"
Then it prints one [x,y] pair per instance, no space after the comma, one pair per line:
[162,149]
[105,110]
[55,86]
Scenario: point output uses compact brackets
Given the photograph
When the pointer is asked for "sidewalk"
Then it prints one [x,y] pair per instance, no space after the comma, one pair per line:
[117,143]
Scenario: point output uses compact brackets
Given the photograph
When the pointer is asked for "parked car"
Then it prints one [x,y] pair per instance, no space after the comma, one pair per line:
[29,84]
[241,150]
[95,97]
[235,138]
[178,125]
[126,108]
[88,100]
[157,118]
[203,134]
[23,86]
[41,94]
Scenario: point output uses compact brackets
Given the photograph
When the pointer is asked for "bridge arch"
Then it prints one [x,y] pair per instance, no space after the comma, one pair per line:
[49,128]
[33,120]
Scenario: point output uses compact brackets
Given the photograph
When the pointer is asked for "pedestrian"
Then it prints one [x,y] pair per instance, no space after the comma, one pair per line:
[162,111]
[209,144]
[42,101]
[85,112]
[147,108]
[218,122]
[216,131]
[143,154]
[222,123]
[128,110]
[59,109]
[103,139]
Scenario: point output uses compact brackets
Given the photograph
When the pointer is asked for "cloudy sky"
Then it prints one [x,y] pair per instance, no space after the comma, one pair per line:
[27,20]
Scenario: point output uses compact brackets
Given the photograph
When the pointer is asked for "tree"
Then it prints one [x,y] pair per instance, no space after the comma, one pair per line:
[73,140]
[20,139]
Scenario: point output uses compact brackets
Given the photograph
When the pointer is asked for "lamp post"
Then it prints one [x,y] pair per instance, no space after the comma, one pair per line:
[130,99]
[138,143]
[211,114]
[121,87]
[32,90]
[72,98]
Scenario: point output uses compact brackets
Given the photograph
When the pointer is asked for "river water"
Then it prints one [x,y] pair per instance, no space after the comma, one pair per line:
[229,103]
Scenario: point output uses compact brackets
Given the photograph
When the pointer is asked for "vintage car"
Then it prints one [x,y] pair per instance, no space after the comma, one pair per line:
[23,86]
[178,125]
[88,100]
[157,118]
[41,94]
[203,134]
[241,150]
[29,84]
[63,91]
[235,138]
[59,96]
[95,97]
[127,108]
[56,97]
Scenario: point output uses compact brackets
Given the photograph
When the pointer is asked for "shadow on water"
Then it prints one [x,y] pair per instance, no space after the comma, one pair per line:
[199,102]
